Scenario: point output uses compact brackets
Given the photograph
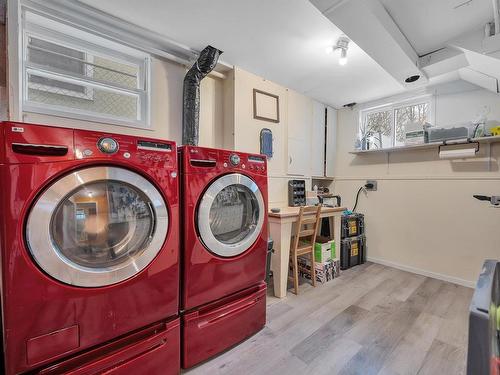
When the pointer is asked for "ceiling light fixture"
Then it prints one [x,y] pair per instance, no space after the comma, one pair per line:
[343,46]
[343,56]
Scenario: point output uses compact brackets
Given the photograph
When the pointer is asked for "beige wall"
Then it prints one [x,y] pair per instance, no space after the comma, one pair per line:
[423,217]
[166,108]
[247,131]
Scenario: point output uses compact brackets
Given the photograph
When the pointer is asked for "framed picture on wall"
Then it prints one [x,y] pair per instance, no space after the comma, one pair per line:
[266,106]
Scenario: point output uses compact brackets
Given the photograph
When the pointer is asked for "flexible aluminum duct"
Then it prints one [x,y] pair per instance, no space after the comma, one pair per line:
[191,94]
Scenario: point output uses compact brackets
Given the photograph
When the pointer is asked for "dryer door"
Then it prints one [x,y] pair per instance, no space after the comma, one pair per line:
[230,215]
[97,226]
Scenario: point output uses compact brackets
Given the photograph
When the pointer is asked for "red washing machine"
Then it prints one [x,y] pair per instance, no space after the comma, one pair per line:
[224,249]
[90,252]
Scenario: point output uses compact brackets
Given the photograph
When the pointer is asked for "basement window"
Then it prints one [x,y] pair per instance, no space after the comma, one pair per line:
[385,126]
[71,73]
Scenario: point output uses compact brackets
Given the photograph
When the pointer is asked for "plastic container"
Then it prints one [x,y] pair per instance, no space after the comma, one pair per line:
[296,193]
[352,252]
[353,225]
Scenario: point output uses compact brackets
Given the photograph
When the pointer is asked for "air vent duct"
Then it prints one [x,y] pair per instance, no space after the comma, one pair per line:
[191,94]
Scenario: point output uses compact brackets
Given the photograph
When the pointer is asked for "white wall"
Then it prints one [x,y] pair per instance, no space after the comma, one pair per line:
[423,216]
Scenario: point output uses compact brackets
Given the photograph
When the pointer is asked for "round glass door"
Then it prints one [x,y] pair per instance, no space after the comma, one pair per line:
[97,226]
[231,215]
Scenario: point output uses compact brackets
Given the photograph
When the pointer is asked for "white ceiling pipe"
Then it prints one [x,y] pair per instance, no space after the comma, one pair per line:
[496,16]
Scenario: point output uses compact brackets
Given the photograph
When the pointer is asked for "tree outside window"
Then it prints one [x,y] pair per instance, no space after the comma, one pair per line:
[378,129]
[386,126]
[418,113]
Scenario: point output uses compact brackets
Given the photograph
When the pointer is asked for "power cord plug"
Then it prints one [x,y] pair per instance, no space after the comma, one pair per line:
[368,186]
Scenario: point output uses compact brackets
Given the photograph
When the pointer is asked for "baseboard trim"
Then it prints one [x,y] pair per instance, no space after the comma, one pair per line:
[418,271]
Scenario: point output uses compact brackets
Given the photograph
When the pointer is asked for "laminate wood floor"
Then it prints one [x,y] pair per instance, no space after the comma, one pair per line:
[371,320]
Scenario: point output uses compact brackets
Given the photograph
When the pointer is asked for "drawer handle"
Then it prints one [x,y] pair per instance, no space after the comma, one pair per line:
[203,163]
[40,150]
[229,313]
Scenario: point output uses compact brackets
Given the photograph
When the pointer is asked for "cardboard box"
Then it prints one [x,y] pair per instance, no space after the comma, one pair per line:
[325,271]
[324,249]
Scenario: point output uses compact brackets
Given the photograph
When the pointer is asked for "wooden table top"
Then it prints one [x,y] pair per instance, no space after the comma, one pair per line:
[294,211]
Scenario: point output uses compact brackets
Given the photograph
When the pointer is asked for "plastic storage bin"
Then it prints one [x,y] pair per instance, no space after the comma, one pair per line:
[352,252]
[296,193]
[353,225]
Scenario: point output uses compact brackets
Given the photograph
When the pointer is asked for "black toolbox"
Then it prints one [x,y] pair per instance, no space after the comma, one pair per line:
[353,225]
[352,251]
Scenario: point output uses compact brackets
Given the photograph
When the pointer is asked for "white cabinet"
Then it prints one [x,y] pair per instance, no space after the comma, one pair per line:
[299,116]
[331,141]
[318,140]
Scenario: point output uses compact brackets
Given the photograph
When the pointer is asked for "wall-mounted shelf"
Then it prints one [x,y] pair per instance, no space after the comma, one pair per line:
[322,178]
[423,146]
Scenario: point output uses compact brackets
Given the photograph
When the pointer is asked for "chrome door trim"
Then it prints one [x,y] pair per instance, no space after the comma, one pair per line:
[212,243]
[54,263]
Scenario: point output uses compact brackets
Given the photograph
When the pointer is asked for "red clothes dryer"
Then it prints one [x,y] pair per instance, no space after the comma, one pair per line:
[224,249]
[89,251]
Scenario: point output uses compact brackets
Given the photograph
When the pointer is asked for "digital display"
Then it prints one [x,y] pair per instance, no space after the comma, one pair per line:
[256,159]
[148,145]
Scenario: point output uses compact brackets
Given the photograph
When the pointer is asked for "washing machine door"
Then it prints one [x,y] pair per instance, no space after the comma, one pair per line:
[97,226]
[231,215]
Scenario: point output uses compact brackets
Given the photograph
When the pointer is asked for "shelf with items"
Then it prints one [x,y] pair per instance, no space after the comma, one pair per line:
[427,146]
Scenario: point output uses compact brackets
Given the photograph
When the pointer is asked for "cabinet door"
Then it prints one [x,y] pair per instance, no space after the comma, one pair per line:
[331,141]
[318,140]
[299,134]
[298,163]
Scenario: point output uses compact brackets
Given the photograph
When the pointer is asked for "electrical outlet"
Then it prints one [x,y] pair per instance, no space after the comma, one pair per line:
[374,183]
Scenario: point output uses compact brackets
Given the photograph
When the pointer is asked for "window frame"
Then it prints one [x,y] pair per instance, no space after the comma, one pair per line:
[140,59]
[428,99]
[89,92]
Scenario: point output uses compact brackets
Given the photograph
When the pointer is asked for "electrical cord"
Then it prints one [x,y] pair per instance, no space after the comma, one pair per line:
[357,197]
[368,185]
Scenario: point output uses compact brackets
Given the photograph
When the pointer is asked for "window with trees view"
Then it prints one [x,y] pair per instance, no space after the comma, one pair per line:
[385,126]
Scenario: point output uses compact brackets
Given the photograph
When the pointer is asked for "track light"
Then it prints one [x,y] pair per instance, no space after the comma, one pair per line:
[343,46]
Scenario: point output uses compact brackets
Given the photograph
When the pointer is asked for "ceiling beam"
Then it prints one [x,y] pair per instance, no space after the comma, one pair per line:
[479,79]
[443,61]
[474,56]
[368,24]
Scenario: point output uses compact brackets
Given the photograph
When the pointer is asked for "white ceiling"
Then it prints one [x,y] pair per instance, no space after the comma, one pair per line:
[280,40]
[429,24]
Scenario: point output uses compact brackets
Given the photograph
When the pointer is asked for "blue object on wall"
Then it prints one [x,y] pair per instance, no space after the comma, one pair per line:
[266,142]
